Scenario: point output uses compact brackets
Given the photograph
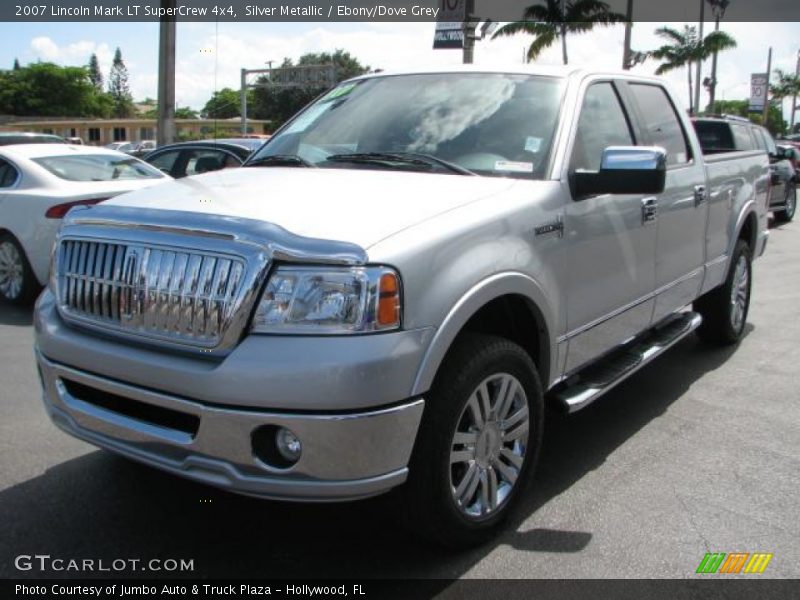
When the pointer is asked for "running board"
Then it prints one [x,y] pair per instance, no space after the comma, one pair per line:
[601,377]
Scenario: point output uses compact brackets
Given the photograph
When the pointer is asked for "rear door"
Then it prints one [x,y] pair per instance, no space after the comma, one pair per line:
[682,208]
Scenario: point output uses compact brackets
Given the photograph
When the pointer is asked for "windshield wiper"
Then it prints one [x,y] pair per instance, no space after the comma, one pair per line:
[279,160]
[403,158]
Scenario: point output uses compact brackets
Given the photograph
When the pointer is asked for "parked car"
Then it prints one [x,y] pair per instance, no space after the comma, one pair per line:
[116,145]
[74,140]
[389,291]
[193,158]
[8,138]
[736,134]
[792,154]
[138,149]
[792,139]
[39,183]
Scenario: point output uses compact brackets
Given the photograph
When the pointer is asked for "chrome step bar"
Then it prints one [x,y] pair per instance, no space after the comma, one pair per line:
[599,378]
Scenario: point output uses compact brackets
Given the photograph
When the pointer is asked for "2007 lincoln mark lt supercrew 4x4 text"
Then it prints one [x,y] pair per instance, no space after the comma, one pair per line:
[391,289]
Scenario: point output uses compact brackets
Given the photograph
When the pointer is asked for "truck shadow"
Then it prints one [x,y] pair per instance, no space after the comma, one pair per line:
[102,506]
[15,315]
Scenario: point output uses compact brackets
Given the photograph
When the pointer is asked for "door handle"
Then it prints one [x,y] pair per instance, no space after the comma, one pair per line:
[649,210]
[699,195]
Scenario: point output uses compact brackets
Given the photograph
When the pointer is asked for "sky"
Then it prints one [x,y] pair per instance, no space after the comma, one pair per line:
[210,56]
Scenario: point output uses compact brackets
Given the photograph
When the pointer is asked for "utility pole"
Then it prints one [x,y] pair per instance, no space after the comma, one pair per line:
[626,52]
[698,80]
[469,34]
[766,95]
[718,10]
[166,76]
[794,97]
[244,101]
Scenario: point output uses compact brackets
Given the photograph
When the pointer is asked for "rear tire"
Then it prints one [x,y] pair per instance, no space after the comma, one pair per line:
[478,442]
[18,284]
[790,204]
[724,309]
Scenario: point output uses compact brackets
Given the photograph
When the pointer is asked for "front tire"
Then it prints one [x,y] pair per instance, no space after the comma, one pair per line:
[724,309]
[790,204]
[18,284]
[478,442]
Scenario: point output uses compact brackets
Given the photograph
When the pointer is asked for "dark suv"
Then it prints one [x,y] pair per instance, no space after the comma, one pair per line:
[736,134]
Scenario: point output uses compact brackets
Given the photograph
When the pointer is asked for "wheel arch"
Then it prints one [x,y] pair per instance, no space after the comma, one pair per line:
[483,309]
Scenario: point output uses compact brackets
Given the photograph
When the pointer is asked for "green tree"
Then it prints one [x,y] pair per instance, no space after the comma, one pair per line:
[16,64]
[280,102]
[119,88]
[775,122]
[787,85]
[551,20]
[185,112]
[48,90]
[95,76]
[224,104]
[685,49]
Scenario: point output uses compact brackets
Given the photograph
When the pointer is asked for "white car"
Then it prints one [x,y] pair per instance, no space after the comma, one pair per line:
[39,183]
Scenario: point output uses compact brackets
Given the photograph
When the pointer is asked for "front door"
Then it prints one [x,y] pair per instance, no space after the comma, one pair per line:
[611,246]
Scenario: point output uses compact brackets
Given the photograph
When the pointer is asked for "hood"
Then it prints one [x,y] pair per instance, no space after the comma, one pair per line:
[358,206]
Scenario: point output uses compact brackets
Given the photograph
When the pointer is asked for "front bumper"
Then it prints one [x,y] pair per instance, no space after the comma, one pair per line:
[339,395]
[344,457]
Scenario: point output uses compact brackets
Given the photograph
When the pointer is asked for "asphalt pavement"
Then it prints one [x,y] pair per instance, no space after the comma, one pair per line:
[698,452]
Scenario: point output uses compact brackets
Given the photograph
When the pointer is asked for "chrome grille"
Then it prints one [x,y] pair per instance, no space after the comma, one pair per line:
[174,294]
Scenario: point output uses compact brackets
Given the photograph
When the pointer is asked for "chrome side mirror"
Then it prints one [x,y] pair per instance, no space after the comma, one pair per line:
[624,170]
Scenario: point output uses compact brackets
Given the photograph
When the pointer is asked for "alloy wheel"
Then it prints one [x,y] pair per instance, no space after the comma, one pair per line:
[739,293]
[12,271]
[489,445]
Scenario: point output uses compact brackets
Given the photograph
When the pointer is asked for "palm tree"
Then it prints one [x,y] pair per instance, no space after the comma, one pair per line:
[553,19]
[686,49]
[787,85]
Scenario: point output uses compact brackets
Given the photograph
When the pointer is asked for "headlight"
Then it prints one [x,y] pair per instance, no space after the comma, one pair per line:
[329,300]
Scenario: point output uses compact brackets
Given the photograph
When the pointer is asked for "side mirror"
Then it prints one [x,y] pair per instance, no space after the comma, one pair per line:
[624,170]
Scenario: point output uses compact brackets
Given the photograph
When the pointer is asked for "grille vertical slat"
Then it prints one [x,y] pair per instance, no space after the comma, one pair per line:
[97,275]
[116,278]
[89,279]
[179,294]
[66,260]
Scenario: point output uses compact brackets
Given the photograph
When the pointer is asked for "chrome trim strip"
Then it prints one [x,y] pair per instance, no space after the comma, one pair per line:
[679,280]
[615,313]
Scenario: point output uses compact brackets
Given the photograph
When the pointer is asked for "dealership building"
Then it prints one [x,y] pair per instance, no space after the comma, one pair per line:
[99,132]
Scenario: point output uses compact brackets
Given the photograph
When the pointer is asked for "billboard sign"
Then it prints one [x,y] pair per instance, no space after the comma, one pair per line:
[758,92]
[450,24]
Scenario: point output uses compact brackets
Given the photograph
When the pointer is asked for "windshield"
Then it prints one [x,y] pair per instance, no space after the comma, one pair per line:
[98,167]
[491,124]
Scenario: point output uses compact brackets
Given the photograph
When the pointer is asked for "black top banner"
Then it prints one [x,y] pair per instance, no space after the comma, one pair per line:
[366,11]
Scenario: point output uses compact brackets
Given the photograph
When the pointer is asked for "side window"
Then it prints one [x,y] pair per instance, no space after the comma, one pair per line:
[761,142]
[602,124]
[741,135]
[8,174]
[164,162]
[203,161]
[662,122]
[771,147]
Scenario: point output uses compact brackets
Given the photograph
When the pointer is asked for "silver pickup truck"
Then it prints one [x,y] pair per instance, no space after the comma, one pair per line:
[392,288]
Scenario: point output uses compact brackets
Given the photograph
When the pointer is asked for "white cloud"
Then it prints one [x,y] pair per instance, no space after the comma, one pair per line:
[76,53]
[45,48]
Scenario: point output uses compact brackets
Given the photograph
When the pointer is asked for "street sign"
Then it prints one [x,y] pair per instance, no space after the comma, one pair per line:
[449,32]
[758,92]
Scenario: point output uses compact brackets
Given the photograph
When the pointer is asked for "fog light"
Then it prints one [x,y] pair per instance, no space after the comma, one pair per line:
[288,445]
